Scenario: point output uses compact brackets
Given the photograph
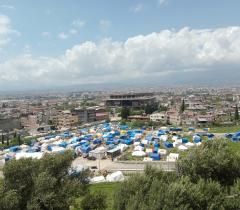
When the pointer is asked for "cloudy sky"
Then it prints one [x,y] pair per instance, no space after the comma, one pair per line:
[59,43]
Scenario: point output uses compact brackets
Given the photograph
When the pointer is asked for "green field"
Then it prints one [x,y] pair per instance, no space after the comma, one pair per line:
[108,189]
[234,147]
[227,129]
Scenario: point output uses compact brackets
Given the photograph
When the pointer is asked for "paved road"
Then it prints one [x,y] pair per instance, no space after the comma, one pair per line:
[124,165]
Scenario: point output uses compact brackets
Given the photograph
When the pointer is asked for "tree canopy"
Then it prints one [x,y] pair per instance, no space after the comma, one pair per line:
[182,107]
[207,178]
[212,160]
[41,184]
[125,112]
[150,108]
[236,114]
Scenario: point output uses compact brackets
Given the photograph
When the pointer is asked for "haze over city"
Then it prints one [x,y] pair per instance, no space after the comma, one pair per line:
[57,44]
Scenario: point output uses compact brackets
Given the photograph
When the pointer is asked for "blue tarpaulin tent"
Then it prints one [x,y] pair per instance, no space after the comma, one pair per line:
[197,139]
[14,149]
[85,148]
[149,138]
[123,127]
[128,141]
[228,135]
[49,137]
[97,141]
[155,150]
[117,133]
[168,144]
[184,140]
[175,129]
[155,156]
[236,136]
[161,132]
[116,141]
[63,144]
[123,137]
[210,135]
[109,142]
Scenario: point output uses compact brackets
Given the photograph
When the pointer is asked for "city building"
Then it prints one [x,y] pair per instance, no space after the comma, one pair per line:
[91,114]
[159,117]
[136,100]
[66,119]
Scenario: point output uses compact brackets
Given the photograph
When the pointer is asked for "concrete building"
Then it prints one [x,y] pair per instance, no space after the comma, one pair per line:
[138,118]
[136,100]
[174,117]
[159,117]
[91,114]
[29,121]
[66,119]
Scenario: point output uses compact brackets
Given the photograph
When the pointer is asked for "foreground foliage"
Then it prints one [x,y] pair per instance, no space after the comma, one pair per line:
[208,179]
[213,160]
[40,184]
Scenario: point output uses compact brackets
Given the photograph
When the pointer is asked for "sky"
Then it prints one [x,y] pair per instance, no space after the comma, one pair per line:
[61,43]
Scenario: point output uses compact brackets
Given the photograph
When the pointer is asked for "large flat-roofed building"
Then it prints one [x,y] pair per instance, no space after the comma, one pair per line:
[130,100]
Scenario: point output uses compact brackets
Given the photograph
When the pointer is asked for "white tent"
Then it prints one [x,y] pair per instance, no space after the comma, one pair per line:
[176,144]
[182,148]
[122,147]
[115,177]
[136,143]
[162,151]
[164,128]
[144,141]
[172,157]
[199,143]
[138,154]
[37,155]
[148,150]
[138,148]
[147,159]
[189,144]
[98,153]
[164,137]
[98,179]
[174,138]
[56,149]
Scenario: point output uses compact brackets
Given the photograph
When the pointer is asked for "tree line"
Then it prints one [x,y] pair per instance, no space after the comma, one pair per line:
[208,178]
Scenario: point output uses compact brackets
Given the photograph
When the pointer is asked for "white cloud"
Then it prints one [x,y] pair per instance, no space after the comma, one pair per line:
[9,7]
[73,31]
[141,57]
[104,24]
[62,35]
[137,8]
[46,34]
[78,23]
[76,26]
[27,49]
[6,30]
[162,2]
